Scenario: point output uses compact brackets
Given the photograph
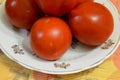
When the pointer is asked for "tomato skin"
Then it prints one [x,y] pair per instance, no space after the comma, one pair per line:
[50,38]
[91,23]
[22,13]
[56,7]
[82,1]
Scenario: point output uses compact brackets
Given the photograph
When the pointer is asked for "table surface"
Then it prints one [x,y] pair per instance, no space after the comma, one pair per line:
[108,70]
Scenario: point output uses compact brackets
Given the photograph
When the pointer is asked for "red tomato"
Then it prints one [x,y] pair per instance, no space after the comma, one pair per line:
[50,38]
[81,1]
[22,13]
[56,7]
[91,23]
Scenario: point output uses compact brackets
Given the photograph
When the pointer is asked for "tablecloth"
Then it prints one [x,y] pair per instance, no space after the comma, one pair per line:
[108,70]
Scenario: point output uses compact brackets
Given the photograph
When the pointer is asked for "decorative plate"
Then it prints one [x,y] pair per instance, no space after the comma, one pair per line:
[15,44]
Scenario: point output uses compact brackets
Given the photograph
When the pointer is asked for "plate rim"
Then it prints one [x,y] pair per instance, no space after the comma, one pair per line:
[75,71]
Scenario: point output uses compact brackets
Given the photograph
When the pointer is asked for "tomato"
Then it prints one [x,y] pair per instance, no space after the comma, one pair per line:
[91,23]
[50,38]
[81,1]
[56,7]
[22,13]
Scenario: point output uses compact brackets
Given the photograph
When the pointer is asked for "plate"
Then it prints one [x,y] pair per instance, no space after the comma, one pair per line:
[15,44]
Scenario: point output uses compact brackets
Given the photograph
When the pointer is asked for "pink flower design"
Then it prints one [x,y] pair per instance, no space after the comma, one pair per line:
[116,58]
[42,76]
[116,3]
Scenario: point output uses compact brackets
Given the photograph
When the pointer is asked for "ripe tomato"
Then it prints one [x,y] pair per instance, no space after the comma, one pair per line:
[81,1]
[56,7]
[50,38]
[91,23]
[22,13]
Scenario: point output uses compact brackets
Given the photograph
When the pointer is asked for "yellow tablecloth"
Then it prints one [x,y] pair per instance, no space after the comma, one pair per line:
[108,70]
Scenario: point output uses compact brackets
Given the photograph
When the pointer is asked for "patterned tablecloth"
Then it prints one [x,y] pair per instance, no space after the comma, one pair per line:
[108,70]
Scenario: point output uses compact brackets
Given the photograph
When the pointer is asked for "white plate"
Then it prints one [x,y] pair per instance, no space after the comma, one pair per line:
[15,45]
